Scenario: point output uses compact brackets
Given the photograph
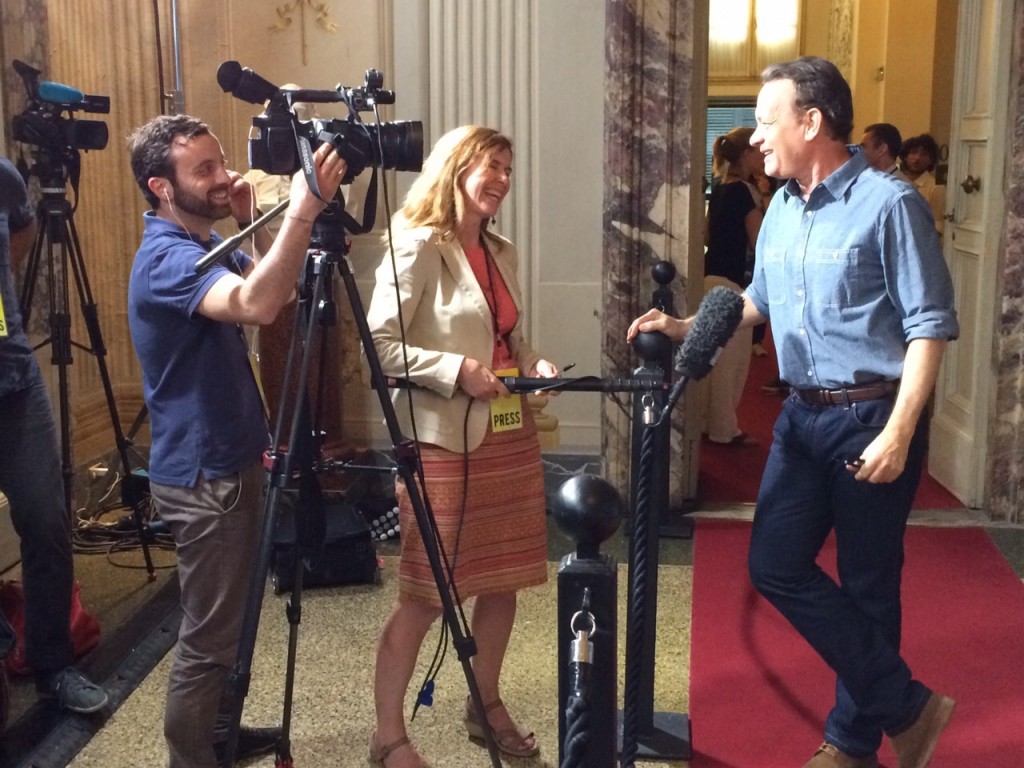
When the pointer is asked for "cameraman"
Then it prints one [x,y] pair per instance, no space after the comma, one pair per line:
[209,428]
[30,477]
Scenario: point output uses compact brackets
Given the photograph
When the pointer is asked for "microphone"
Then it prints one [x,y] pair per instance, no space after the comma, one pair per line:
[72,98]
[717,319]
[59,93]
[241,82]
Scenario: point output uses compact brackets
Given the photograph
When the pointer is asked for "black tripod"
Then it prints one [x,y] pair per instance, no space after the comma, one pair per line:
[301,462]
[58,237]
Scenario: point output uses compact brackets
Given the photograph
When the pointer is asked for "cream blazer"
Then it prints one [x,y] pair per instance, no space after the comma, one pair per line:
[446,320]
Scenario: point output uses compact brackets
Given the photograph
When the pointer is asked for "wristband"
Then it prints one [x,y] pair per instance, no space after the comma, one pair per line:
[244,224]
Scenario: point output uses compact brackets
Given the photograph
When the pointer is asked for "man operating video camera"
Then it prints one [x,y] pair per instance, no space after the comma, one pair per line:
[209,428]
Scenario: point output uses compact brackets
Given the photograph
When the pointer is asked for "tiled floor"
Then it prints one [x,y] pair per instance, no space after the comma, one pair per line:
[93,570]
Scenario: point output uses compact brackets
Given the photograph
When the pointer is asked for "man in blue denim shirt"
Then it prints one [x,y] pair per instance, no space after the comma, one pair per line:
[850,270]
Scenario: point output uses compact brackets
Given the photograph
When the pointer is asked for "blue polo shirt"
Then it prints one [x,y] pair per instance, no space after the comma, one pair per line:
[205,410]
[849,277]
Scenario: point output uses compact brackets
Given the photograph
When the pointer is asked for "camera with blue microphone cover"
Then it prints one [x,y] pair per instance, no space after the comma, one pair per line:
[43,124]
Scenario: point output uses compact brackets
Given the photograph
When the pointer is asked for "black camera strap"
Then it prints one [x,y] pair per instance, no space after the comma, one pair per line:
[369,209]
[369,206]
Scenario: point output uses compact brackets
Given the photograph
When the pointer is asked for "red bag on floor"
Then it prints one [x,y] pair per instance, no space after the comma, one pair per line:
[85,630]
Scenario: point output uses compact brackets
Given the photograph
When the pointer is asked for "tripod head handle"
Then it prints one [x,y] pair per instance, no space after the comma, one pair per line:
[232,243]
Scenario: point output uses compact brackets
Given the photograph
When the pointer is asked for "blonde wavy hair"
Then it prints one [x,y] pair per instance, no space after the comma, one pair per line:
[435,199]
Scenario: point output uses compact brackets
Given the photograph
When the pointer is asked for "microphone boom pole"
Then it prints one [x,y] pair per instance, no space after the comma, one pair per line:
[232,243]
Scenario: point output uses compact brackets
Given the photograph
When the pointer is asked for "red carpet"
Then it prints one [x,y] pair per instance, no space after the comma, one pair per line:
[732,474]
[759,695]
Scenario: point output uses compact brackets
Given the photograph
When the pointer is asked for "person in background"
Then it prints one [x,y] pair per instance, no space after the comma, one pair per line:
[850,269]
[447,313]
[881,143]
[206,415]
[917,160]
[31,477]
[733,222]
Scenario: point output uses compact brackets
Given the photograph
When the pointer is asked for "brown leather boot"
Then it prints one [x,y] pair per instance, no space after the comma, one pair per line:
[830,756]
[915,745]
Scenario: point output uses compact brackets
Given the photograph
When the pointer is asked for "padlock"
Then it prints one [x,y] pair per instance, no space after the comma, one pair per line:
[647,403]
[582,651]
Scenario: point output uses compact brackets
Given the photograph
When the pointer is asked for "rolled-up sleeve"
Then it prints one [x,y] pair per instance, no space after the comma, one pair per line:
[919,282]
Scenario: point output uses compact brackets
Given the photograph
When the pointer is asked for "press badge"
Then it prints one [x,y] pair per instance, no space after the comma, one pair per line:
[506,412]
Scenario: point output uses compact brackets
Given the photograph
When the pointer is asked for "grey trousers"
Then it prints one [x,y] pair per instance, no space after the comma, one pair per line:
[216,528]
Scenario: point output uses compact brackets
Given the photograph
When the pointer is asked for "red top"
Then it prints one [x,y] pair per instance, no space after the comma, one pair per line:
[504,314]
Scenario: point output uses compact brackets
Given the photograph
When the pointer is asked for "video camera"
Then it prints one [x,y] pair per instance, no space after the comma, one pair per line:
[280,143]
[42,124]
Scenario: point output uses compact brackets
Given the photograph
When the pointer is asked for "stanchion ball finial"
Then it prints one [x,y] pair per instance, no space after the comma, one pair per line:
[652,345]
[589,510]
[663,272]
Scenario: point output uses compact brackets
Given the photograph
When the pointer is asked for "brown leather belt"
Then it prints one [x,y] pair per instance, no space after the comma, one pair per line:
[847,395]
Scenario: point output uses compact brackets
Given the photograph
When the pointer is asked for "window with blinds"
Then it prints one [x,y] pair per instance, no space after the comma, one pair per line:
[722,117]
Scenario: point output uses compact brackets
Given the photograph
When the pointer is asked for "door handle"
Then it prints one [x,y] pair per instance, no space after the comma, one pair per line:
[970,184]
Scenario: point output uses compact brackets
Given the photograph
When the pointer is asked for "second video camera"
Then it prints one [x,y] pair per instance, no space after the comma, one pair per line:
[42,123]
[275,142]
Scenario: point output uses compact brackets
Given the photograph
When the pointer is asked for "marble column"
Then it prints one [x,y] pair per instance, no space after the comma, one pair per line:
[1005,476]
[649,193]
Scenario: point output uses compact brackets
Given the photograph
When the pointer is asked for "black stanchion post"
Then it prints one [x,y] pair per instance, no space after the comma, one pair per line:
[674,524]
[589,510]
[643,731]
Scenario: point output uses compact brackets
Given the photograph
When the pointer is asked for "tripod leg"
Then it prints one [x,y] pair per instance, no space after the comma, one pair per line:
[309,513]
[28,288]
[303,452]
[52,227]
[133,492]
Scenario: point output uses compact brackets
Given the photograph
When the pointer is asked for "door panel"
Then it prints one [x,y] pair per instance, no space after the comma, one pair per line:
[962,401]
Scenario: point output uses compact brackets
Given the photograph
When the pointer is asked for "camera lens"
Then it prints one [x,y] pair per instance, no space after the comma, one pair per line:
[401,144]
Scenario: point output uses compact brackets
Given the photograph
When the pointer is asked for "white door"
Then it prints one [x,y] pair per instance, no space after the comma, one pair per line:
[974,214]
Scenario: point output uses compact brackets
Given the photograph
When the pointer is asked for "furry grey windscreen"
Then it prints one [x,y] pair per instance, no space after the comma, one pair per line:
[717,318]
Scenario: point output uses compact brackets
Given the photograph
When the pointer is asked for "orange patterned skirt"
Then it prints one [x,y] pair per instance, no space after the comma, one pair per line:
[497,540]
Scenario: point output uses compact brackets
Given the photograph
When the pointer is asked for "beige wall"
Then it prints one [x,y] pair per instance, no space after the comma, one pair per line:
[109,47]
[912,42]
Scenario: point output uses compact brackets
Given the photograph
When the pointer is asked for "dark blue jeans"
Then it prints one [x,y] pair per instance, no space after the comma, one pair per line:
[30,478]
[854,625]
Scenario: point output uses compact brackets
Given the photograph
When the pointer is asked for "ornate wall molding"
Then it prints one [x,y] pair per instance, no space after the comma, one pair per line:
[840,36]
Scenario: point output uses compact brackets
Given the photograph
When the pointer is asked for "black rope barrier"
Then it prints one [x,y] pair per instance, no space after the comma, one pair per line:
[635,631]
[578,723]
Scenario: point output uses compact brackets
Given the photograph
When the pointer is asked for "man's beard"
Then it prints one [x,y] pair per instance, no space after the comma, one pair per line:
[201,206]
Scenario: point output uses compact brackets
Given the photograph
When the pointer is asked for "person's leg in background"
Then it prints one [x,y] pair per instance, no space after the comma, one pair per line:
[727,379]
[31,478]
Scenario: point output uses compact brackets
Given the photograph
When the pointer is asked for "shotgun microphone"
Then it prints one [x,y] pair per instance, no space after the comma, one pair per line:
[717,319]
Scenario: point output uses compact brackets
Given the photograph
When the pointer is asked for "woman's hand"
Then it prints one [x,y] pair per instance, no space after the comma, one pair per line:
[478,381]
[544,369]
